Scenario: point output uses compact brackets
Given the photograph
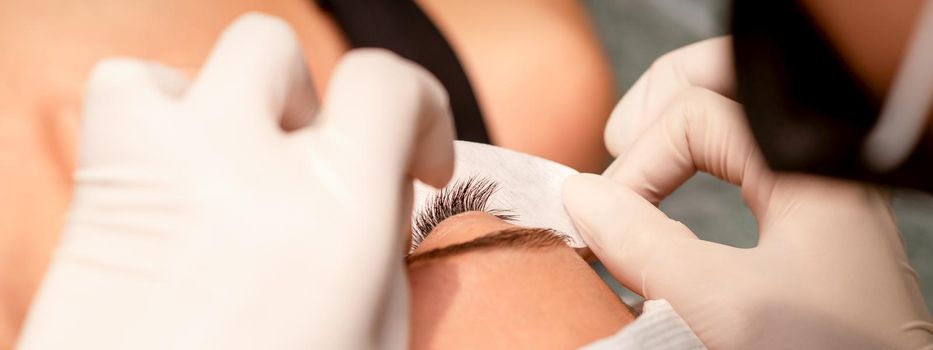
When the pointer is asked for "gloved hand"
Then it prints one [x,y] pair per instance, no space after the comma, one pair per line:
[204,220]
[829,271]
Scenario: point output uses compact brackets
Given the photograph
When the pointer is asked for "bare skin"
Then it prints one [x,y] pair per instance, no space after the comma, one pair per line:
[539,74]
[872,36]
[507,298]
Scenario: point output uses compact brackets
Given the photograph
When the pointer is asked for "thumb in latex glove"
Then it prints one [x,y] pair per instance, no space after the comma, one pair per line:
[829,270]
[203,219]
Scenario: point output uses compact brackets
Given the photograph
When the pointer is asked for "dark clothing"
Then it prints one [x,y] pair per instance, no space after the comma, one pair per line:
[402,27]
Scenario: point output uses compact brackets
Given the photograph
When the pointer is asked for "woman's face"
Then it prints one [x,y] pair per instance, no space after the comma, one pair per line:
[480,282]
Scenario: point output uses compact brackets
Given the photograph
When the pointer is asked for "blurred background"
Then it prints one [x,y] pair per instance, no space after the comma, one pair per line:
[634,33]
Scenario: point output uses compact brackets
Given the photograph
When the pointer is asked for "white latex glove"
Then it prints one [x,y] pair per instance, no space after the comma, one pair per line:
[199,222]
[829,271]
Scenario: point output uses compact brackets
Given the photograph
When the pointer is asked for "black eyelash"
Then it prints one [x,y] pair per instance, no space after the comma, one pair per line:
[469,194]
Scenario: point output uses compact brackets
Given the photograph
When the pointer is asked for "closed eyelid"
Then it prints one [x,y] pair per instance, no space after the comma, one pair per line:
[472,193]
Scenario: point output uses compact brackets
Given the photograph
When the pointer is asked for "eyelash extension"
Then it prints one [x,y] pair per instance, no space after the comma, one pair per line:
[469,194]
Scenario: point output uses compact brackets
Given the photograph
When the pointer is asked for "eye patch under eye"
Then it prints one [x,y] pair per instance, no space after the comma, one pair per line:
[529,185]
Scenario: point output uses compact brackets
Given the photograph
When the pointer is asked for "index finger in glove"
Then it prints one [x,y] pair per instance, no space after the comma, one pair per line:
[699,131]
[255,77]
[706,64]
[391,113]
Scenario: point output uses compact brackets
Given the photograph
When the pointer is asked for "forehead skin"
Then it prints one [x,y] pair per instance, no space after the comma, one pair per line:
[541,298]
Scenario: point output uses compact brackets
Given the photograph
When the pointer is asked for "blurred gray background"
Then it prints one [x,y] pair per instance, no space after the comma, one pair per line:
[634,33]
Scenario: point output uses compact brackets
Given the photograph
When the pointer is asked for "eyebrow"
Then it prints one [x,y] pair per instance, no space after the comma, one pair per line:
[516,237]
